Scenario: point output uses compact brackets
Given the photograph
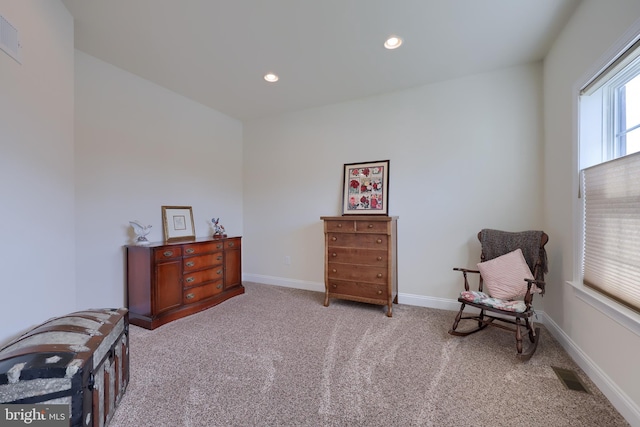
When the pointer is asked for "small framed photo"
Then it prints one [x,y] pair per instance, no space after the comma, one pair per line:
[178,223]
[366,188]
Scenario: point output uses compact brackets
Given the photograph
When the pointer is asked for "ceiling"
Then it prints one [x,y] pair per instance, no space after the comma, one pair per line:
[325,51]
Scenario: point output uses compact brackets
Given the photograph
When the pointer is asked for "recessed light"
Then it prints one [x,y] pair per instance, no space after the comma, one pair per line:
[271,78]
[393,42]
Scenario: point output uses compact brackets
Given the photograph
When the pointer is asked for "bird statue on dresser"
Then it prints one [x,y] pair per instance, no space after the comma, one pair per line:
[218,229]
[141,232]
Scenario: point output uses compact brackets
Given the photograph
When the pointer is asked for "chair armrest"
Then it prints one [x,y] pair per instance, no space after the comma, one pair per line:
[466,270]
[466,281]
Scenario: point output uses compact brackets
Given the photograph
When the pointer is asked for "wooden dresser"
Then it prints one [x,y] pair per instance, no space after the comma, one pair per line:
[167,281]
[360,259]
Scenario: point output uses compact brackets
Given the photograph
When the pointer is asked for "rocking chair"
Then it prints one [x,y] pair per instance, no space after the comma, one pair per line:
[512,270]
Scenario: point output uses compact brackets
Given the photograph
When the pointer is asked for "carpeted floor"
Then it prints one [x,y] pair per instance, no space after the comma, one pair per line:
[277,357]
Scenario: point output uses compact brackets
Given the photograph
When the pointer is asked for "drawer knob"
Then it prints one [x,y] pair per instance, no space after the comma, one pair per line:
[334,286]
[190,279]
[219,286]
[379,292]
[334,270]
[219,246]
[379,258]
[190,264]
[219,272]
[370,225]
[339,225]
[190,296]
[379,241]
[219,257]
[190,251]
[334,238]
[231,244]
[167,253]
[379,275]
[334,254]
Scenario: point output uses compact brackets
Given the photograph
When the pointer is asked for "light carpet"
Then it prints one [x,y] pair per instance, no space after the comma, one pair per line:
[276,356]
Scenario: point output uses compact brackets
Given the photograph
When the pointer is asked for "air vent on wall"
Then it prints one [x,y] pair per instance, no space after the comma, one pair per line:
[9,40]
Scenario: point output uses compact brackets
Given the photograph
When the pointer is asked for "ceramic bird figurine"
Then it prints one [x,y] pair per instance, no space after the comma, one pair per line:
[218,229]
[141,232]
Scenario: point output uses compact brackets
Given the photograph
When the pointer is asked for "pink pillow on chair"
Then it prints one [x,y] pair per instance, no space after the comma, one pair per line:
[504,276]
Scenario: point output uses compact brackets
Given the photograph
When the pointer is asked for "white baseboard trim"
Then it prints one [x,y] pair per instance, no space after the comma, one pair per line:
[430,302]
[447,304]
[281,281]
[627,408]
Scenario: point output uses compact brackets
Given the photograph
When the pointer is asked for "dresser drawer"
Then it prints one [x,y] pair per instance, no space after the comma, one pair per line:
[358,289]
[342,226]
[200,248]
[161,254]
[198,277]
[365,241]
[201,292]
[357,272]
[202,261]
[364,226]
[232,244]
[373,257]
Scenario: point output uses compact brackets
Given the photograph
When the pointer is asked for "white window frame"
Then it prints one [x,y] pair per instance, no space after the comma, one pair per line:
[609,307]
[613,106]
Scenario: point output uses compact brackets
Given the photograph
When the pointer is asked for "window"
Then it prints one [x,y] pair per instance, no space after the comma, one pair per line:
[610,174]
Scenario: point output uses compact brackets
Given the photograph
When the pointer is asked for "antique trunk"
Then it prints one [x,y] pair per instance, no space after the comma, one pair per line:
[81,360]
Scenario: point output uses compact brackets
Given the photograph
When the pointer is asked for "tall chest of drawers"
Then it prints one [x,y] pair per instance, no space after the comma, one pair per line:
[360,259]
[167,281]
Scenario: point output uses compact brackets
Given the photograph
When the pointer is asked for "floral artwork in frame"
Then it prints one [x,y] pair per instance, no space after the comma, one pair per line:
[366,188]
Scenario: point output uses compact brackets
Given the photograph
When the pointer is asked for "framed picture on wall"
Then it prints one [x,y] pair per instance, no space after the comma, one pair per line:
[366,188]
[178,223]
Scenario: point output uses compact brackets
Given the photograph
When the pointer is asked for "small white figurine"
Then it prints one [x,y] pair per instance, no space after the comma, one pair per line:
[141,232]
[218,229]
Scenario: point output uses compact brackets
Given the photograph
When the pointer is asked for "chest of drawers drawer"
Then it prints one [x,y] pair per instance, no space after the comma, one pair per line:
[378,227]
[197,277]
[357,256]
[359,290]
[164,254]
[363,273]
[202,261]
[202,248]
[352,240]
[201,292]
[357,226]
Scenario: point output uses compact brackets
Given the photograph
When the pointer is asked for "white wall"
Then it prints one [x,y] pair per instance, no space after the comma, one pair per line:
[139,147]
[36,168]
[464,154]
[606,349]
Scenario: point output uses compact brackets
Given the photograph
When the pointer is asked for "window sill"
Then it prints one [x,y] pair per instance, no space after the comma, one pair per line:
[618,313]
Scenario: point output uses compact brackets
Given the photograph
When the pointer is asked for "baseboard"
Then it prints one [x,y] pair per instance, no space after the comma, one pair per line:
[430,302]
[448,304]
[627,408]
[281,281]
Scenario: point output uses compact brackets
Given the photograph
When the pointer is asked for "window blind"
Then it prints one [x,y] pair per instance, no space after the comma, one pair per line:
[611,261]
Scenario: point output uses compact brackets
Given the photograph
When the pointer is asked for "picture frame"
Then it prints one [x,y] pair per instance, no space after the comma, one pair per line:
[366,188]
[177,222]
